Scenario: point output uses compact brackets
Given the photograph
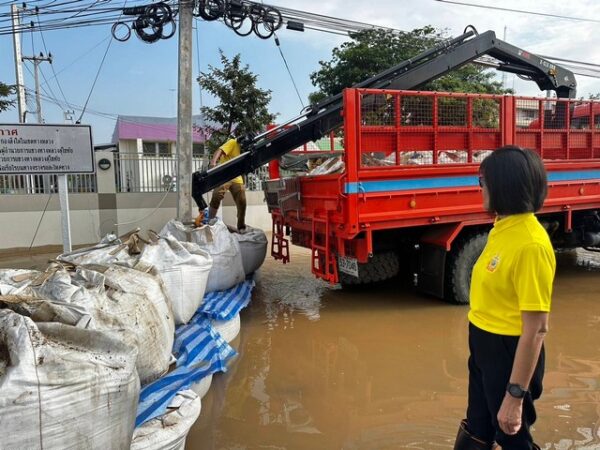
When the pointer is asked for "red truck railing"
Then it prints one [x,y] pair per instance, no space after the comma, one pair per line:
[411,160]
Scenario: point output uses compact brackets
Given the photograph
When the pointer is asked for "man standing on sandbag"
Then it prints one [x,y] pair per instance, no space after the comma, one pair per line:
[224,153]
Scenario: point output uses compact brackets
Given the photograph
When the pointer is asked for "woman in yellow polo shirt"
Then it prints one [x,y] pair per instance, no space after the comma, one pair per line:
[511,290]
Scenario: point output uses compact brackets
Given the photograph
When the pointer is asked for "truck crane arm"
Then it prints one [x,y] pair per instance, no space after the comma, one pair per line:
[325,116]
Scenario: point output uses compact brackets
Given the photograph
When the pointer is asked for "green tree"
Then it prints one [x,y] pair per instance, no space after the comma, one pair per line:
[241,103]
[372,51]
[6,91]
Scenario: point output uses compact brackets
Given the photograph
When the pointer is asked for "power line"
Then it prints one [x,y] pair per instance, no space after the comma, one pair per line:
[520,11]
[98,73]
[288,70]
[53,71]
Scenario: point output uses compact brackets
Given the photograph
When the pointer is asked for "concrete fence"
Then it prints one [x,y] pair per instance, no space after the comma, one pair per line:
[105,211]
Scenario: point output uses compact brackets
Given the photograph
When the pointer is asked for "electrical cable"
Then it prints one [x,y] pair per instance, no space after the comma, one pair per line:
[40,222]
[288,69]
[151,213]
[87,52]
[53,71]
[97,74]
[520,11]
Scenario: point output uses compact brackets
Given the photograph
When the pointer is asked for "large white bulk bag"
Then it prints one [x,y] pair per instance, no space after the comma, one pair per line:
[228,329]
[184,271]
[169,431]
[115,298]
[62,387]
[137,302]
[253,247]
[202,386]
[110,250]
[227,269]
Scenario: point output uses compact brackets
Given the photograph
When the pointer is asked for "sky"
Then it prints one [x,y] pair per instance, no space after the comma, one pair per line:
[141,79]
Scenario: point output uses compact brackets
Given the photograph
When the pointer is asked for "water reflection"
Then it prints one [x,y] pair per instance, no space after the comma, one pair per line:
[384,368]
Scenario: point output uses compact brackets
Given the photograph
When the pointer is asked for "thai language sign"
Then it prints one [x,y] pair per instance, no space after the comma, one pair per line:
[32,149]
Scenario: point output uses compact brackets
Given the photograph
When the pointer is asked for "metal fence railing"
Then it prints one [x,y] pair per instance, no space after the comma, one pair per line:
[46,184]
[134,173]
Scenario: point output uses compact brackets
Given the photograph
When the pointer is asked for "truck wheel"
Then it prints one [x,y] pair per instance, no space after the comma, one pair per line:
[460,262]
[380,267]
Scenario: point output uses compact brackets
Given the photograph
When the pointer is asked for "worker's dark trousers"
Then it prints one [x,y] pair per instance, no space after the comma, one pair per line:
[490,366]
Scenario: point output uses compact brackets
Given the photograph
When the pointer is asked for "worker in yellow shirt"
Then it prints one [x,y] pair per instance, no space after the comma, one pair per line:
[226,152]
[510,297]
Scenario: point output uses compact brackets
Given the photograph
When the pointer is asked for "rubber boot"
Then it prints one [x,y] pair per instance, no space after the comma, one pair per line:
[466,441]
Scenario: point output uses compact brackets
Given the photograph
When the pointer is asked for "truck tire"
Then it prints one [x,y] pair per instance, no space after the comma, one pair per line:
[460,262]
[381,266]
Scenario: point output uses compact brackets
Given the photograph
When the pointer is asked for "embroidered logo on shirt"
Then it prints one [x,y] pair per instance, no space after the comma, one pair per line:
[493,264]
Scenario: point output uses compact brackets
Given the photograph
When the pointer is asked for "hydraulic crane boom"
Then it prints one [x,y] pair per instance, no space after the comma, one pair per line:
[325,116]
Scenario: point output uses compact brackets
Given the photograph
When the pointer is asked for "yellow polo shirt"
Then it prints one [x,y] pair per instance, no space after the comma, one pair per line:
[514,273]
[231,149]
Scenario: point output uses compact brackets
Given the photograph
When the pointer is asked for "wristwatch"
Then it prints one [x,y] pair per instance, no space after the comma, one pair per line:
[516,390]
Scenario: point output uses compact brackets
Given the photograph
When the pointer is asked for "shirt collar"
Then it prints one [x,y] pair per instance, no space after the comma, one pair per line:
[509,221]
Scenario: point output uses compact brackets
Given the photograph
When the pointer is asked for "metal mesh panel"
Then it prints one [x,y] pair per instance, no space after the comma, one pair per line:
[486,112]
[452,112]
[46,184]
[377,110]
[527,113]
[556,114]
[417,111]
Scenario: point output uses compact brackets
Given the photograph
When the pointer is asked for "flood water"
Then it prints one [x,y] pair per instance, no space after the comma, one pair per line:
[385,368]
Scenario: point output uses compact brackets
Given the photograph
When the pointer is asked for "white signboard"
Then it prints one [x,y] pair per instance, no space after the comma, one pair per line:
[33,149]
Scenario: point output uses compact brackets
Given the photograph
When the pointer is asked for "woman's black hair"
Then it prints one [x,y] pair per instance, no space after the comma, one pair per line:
[515,179]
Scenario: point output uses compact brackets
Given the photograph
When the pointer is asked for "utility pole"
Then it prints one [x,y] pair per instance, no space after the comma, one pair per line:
[16,21]
[37,60]
[184,113]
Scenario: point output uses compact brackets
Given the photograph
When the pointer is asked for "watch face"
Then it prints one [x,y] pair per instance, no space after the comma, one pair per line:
[516,391]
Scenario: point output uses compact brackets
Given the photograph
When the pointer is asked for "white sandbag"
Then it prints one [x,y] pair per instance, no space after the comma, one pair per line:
[228,329]
[202,386]
[62,387]
[184,272]
[169,431]
[137,302]
[115,298]
[253,248]
[110,250]
[227,269]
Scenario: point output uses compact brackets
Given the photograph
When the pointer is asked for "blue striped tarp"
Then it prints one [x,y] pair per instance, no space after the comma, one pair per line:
[200,352]
[225,305]
[199,349]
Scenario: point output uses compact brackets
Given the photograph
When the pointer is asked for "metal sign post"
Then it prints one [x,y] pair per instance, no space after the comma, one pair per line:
[63,195]
[48,149]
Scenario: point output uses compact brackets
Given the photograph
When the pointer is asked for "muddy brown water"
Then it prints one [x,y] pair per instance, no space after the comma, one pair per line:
[385,368]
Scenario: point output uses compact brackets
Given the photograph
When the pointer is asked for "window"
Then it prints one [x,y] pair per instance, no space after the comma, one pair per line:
[162,149]
[149,148]
[198,150]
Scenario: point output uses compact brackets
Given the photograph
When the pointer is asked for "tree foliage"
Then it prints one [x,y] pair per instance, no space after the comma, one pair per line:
[242,105]
[6,91]
[372,51]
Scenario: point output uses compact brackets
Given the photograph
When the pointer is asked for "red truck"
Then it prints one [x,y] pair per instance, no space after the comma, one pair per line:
[405,188]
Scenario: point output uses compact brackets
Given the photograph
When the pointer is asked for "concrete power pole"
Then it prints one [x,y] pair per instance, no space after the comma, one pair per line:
[184,113]
[37,60]
[16,21]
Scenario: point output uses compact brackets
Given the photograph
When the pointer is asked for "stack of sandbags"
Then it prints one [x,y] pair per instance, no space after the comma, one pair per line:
[184,271]
[169,431]
[253,248]
[129,302]
[62,387]
[227,269]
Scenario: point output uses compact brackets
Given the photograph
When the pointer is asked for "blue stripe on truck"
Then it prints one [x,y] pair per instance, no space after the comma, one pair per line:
[410,184]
